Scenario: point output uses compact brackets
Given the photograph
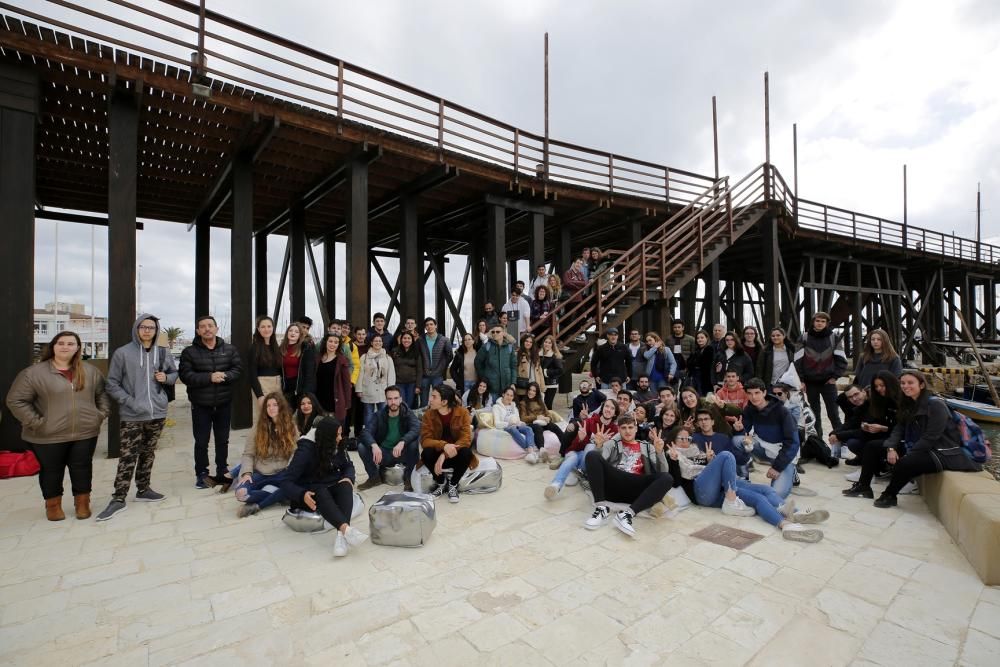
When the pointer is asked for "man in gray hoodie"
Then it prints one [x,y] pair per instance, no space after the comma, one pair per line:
[138,378]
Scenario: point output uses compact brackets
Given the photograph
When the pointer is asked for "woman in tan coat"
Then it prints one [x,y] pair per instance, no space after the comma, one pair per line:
[528,367]
[61,404]
[446,436]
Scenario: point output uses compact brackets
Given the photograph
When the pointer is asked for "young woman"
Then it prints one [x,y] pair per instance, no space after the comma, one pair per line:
[669,423]
[507,416]
[660,363]
[298,363]
[551,361]
[575,278]
[534,413]
[877,355]
[541,305]
[879,415]
[264,361]
[321,478]
[927,435]
[463,365]
[643,423]
[478,398]
[691,402]
[409,366]
[751,344]
[775,359]
[555,289]
[579,440]
[528,367]
[700,362]
[446,438]
[268,448]
[333,378]
[61,404]
[482,332]
[307,412]
[377,373]
[732,357]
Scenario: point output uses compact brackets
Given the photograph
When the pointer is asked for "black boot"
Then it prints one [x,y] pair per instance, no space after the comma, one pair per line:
[885,500]
[859,491]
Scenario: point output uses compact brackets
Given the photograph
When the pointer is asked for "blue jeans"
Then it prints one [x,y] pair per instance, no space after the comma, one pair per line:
[425,388]
[762,498]
[406,390]
[468,385]
[523,435]
[372,408]
[783,485]
[410,455]
[572,463]
[255,489]
[718,476]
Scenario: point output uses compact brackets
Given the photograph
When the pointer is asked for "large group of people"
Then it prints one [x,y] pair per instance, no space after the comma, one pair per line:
[658,417]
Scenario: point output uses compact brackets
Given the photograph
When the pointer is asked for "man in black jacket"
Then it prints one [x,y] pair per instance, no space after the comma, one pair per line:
[390,436]
[209,368]
[610,360]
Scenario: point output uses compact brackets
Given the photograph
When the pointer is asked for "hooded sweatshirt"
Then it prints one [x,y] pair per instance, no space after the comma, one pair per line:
[130,377]
[774,424]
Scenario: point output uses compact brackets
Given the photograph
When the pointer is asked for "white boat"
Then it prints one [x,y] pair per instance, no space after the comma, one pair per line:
[979,412]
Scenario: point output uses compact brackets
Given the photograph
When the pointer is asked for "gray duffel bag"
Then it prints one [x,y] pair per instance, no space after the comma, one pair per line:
[306,521]
[486,478]
[393,475]
[402,519]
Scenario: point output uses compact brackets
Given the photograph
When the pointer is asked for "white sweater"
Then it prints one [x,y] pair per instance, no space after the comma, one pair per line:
[505,415]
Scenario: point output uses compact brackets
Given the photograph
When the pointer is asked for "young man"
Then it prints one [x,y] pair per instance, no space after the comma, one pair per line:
[588,400]
[585,261]
[820,362]
[137,378]
[624,470]
[541,279]
[518,314]
[576,441]
[610,360]
[356,417]
[732,393]
[490,314]
[625,403]
[391,436]
[854,403]
[636,359]
[681,344]
[643,393]
[378,329]
[707,439]
[209,367]
[776,435]
[496,362]
[437,354]
[667,399]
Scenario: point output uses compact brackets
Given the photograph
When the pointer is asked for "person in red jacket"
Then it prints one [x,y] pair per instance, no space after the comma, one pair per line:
[578,439]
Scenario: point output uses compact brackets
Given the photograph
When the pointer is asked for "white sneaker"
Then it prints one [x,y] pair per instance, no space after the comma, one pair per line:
[354,536]
[787,508]
[910,488]
[736,507]
[623,522]
[598,518]
[339,546]
[544,455]
[809,515]
[551,491]
[572,479]
[853,476]
[796,532]
[532,456]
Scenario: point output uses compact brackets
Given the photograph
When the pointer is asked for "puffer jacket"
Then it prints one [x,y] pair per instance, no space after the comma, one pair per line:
[197,365]
[51,411]
[931,429]
[409,364]
[820,356]
[497,364]
[130,377]
[303,473]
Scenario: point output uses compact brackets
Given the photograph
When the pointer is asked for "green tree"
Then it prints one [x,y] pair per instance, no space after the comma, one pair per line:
[173,333]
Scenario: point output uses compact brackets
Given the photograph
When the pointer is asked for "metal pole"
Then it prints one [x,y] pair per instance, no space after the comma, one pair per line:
[93,302]
[201,35]
[767,139]
[715,137]
[55,284]
[904,208]
[545,155]
[795,171]
[979,228]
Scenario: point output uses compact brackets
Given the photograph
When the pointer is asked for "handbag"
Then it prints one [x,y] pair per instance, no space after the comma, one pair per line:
[521,383]
[18,464]
[168,389]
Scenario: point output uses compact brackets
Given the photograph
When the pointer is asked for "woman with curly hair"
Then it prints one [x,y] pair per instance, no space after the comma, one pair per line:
[268,448]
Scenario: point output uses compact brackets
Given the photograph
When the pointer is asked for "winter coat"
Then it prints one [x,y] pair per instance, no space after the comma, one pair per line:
[303,474]
[130,377]
[573,280]
[377,427]
[865,372]
[540,309]
[505,415]
[931,429]
[765,362]
[699,367]
[592,401]
[388,342]
[530,370]
[461,428]
[739,362]
[820,356]
[774,423]
[377,373]
[530,411]
[662,360]
[687,346]
[610,361]
[341,399]
[636,362]
[497,365]
[51,411]
[442,356]
[409,365]
[458,367]
[197,365]
[305,380]
[552,367]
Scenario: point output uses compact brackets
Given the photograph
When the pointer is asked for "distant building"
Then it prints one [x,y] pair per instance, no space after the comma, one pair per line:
[62,316]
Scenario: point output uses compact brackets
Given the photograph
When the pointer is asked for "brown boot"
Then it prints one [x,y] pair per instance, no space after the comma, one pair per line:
[82,503]
[53,509]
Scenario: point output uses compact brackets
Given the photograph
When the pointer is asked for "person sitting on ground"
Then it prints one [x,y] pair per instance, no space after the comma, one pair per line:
[587,401]
[496,362]
[776,435]
[269,446]
[506,416]
[644,424]
[625,403]
[644,393]
[732,357]
[669,423]
[307,412]
[878,421]
[878,355]
[691,402]
[320,478]
[615,387]
[478,398]
[666,398]
[926,432]
[854,402]
[624,470]
[534,413]
[709,479]
[390,436]
[732,394]
[577,440]
[446,437]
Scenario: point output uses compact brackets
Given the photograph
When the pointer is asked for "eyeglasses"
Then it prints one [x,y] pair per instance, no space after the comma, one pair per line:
[682,438]
[143,327]
[779,394]
[496,333]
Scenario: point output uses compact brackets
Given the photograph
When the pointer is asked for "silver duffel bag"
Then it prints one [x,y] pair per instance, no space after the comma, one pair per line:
[393,475]
[486,478]
[402,519]
[306,521]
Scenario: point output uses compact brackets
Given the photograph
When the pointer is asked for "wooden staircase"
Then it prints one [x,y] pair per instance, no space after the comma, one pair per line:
[660,264]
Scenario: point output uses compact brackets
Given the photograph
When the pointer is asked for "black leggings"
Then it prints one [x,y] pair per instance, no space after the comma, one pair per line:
[910,466]
[550,396]
[872,458]
[608,483]
[539,432]
[335,503]
[458,463]
[54,459]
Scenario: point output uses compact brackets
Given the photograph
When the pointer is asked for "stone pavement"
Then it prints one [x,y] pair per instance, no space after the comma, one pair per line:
[506,579]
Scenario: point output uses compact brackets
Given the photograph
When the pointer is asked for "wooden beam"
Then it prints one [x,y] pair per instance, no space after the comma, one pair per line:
[518,205]
[241,271]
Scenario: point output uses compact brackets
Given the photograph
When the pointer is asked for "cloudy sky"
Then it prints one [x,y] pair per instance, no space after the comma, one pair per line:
[872,85]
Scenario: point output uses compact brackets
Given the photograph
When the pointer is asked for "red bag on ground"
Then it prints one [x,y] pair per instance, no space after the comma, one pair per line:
[18,464]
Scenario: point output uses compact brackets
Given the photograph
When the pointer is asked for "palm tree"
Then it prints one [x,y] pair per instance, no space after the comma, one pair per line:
[173,333]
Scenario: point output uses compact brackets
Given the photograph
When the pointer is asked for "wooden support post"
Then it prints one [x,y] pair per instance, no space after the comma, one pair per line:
[512,277]
[564,250]
[990,309]
[496,255]
[857,339]
[689,306]
[411,263]
[771,284]
[260,275]
[739,304]
[440,307]
[713,304]
[123,137]
[330,276]
[358,271]
[477,276]
[536,243]
[202,265]
[297,263]
[18,119]
[241,316]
